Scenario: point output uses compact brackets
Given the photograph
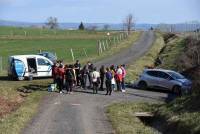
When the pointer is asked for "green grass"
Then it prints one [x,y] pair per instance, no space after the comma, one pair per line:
[35,32]
[136,68]
[171,53]
[59,46]
[123,119]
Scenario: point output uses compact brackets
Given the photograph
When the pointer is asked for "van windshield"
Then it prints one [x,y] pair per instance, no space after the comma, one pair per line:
[176,75]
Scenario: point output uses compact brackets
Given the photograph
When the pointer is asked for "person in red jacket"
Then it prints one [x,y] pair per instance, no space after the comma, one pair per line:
[54,72]
[118,78]
[61,73]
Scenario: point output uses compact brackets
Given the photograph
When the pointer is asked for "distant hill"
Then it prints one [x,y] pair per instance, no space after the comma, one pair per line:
[74,25]
[165,27]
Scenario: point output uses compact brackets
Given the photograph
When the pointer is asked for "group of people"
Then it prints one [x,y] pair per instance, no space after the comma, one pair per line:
[66,77]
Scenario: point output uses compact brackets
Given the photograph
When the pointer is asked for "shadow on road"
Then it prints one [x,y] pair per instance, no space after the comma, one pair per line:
[89,91]
[170,96]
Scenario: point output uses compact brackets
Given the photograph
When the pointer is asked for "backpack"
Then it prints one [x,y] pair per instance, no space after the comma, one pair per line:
[69,75]
[109,75]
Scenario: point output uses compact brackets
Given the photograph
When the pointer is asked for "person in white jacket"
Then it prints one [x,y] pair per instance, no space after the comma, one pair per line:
[95,80]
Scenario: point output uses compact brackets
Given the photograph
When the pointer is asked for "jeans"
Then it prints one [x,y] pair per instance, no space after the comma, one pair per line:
[119,86]
[95,87]
[102,81]
[108,87]
[123,83]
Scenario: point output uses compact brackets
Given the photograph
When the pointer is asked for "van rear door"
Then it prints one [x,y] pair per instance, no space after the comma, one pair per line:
[19,68]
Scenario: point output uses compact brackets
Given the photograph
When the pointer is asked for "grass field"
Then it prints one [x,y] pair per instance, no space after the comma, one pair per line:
[35,32]
[60,43]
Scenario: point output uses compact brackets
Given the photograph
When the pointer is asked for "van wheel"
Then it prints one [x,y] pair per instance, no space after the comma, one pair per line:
[20,78]
[177,90]
[142,85]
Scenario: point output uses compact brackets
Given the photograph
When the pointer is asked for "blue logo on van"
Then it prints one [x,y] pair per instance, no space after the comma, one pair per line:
[19,68]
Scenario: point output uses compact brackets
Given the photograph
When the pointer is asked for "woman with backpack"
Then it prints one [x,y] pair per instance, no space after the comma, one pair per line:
[84,77]
[102,76]
[108,81]
[69,76]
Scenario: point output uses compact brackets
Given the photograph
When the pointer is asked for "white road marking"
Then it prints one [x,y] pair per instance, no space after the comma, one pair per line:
[75,104]
[56,103]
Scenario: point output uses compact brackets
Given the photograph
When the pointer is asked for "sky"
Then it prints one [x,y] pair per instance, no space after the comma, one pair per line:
[101,11]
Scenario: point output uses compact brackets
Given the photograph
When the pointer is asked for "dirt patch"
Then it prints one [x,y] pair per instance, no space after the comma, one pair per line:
[9,105]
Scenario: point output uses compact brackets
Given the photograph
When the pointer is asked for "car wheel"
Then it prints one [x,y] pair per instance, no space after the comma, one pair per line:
[177,90]
[142,85]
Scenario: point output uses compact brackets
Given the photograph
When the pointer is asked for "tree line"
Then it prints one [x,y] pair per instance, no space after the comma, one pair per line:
[128,24]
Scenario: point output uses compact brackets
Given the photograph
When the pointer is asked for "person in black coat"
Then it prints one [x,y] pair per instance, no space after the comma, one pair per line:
[102,76]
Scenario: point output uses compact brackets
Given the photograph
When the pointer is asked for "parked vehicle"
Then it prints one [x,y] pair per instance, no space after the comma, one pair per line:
[49,55]
[164,79]
[25,66]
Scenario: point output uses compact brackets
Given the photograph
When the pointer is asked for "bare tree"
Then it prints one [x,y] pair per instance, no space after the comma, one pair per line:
[106,27]
[129,23]
[52,22]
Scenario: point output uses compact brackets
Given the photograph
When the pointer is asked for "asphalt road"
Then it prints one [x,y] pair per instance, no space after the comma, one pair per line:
[83,112]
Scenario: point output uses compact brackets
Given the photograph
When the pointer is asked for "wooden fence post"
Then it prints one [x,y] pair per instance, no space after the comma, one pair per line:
[104,48]
[85,52]
[107,45]
[117,39]
[72,53]
[114,41]
[110,42]
[25,33]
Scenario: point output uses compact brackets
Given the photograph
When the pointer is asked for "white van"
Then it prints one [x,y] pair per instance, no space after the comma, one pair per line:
[24,66]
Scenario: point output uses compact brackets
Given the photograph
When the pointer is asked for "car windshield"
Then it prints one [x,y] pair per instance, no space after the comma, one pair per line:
[176,75]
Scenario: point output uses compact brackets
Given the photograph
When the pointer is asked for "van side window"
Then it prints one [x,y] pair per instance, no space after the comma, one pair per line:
[42,62]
